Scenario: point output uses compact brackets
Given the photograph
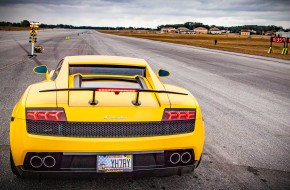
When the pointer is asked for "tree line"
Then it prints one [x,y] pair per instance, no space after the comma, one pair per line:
[189,25]
[26,23]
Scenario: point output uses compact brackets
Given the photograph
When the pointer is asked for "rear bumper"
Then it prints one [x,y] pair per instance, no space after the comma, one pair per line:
[78,165]
[22,143]
[160,172]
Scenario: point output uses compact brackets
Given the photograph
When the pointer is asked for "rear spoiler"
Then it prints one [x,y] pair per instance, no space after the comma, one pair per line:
[135,102]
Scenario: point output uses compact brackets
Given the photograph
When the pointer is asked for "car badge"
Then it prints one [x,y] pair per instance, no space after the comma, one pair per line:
[115,117]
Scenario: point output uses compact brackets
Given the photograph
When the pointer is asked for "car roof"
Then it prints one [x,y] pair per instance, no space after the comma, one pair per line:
[103,59]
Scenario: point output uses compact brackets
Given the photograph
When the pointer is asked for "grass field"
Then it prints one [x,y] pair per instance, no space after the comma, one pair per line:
[13,28]
[254,45]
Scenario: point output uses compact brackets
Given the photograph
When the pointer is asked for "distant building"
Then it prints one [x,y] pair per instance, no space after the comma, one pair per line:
[253,31]
[269,33]
[225,31]
[200,30]
[245,32]
[283,34]
[215,30]
[168,30]
[184,30]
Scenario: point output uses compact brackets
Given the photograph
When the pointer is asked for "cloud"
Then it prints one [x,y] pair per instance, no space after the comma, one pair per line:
[147,13]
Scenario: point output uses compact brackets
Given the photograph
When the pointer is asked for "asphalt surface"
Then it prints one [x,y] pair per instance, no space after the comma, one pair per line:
[245,102]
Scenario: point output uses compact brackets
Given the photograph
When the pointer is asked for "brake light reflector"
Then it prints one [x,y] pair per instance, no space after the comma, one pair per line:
[116,90]
[46,114]
[176,114]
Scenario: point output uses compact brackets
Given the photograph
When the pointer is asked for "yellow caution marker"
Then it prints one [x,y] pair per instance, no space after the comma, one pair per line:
[282,53]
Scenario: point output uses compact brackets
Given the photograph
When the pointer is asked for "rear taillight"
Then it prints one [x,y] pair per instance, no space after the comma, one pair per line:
[178,114]
[48,114]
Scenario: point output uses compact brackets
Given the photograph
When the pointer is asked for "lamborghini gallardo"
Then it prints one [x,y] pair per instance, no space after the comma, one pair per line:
[105,116]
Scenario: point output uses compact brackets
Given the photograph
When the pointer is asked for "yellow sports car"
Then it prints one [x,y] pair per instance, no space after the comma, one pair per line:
[105,116]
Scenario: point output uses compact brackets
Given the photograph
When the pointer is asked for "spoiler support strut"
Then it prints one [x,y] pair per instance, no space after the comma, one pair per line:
[136,102]
[93,102]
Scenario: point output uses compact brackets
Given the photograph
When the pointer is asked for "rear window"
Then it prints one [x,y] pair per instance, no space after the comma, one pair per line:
[106,70]
[109,84]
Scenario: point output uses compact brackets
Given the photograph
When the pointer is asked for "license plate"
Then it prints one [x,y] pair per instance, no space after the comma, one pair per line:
[115,163]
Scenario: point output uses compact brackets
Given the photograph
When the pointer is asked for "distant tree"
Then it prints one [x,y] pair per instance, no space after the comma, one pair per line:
[25,23]
[120,28]
[189,25]
[198,24]
[221,27]
[170,25]
[258,29]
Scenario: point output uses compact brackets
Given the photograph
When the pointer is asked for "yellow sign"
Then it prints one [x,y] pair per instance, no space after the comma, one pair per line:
[33,28]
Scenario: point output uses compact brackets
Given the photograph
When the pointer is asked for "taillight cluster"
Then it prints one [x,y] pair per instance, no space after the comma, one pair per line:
[46,114]
[178,114]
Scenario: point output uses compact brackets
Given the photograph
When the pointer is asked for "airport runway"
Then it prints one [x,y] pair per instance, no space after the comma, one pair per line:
[245,102]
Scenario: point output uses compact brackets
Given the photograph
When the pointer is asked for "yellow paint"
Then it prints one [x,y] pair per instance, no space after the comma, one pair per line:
[286,51]
[270,50]
[283,51]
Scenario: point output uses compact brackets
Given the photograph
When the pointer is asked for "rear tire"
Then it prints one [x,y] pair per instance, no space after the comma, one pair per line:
[13,167]
[199,161]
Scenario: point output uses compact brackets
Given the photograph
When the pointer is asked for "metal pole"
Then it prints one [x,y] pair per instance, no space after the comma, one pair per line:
[270,48]
[32,48]
[287,42]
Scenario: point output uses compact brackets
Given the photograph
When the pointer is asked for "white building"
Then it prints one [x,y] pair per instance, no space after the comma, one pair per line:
[215,31]
[168,30]
[283,34]
[225,31]
[184,30]
[200,30]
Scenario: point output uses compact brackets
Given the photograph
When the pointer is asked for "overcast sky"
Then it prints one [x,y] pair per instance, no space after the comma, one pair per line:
[147,13]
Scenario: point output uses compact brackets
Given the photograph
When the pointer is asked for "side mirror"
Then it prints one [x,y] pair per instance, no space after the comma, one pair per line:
[42,69]
[163,73]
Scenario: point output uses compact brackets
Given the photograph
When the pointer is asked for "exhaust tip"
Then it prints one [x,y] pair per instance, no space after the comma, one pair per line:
[35,161]
[174,158]
[185,157]
[49,161]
